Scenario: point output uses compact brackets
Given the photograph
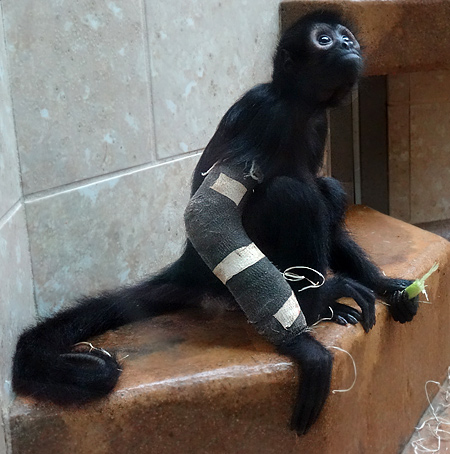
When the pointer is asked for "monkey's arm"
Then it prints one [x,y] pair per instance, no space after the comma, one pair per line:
[214,226]
[347,257]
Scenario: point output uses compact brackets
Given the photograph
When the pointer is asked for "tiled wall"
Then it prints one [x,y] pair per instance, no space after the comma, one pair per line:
[107,105]
[113,101]
[16,292]
[419,146]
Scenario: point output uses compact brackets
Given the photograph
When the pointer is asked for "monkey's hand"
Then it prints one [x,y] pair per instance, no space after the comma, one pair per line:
[343,314]
[402,308]
[344,287]
[316,364]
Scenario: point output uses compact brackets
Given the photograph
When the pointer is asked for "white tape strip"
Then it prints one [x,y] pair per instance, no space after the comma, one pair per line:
[229,188]
[289,312]
[237,261]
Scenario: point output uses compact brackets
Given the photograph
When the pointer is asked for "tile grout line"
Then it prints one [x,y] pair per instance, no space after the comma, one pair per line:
[148,60]
[10,213]
[47,193]
[21,201]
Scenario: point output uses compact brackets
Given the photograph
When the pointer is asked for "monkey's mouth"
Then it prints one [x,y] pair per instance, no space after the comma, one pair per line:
[351,56]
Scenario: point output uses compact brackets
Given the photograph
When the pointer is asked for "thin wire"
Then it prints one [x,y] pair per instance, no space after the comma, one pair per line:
[354,368]
[91,347]
[294,277]
[325,319]
[434,423]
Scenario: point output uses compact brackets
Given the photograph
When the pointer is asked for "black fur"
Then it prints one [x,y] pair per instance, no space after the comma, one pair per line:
[294,216]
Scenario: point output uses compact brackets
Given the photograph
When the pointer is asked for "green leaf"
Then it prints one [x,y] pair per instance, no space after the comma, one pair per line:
[419,284]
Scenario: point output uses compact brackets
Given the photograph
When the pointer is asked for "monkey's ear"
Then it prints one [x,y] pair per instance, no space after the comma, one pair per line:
[288,62]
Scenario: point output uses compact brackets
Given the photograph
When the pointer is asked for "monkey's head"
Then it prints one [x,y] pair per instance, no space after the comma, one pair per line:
[318,59]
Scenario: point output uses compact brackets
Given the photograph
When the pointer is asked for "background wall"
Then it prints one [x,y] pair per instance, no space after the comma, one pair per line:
[107,105]
[16,290]
[419,146]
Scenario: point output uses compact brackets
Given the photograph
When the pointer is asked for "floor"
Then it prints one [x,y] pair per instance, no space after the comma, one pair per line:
[432,433]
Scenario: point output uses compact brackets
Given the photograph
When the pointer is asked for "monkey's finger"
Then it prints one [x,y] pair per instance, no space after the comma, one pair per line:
[367,309]
[363,291]
[316,364]
[398,308]
[303,406]
[399,315]
[367,305]
[349,314]
[340,320]
[352,320]
[345,320]
[410,305]
[402,308]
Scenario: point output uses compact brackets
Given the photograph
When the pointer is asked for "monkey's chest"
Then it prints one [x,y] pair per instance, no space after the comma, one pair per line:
[285,212]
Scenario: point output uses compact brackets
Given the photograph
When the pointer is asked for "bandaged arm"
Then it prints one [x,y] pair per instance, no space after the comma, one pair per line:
[213,221]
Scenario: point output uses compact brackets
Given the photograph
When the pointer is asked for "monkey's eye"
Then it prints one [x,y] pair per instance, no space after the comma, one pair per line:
[324,40]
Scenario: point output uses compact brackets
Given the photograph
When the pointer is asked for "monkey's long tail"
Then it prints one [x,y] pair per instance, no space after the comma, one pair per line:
[45,365]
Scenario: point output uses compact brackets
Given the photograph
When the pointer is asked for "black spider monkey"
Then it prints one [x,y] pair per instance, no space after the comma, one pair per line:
[294,216]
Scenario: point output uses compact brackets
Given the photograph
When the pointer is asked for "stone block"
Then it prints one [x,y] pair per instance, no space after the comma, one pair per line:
[203,381]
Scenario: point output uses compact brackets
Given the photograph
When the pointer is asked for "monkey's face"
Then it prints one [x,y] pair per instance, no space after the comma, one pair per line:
[334,61]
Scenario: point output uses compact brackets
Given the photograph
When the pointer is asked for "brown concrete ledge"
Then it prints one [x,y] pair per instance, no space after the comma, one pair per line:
[398,35]
[203,382]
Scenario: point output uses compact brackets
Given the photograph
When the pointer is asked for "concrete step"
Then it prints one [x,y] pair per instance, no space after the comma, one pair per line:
[441,228]
[204,382]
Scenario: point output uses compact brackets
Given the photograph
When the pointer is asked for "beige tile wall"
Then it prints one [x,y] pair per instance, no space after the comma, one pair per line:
[112,103]
[107,233]
[17,307]
[81,89]
[10,191]
[104,109]
[3,446]
[419,146]
[204,55]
